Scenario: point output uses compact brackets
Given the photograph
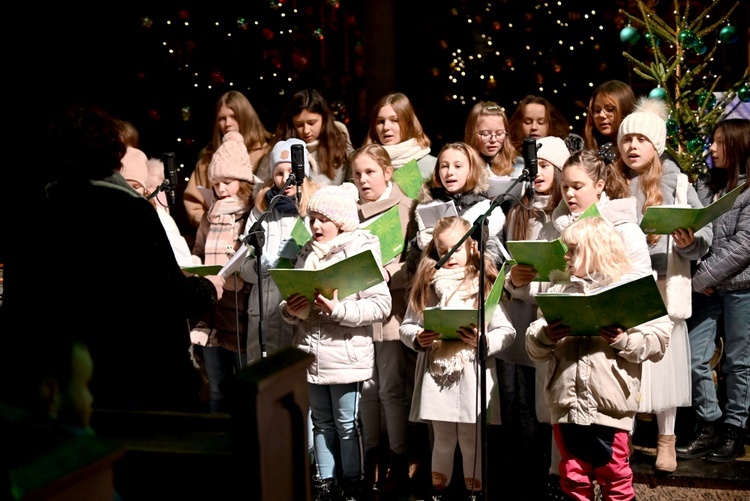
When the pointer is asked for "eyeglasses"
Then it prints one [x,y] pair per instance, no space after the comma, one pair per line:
[608,110]
[485,136]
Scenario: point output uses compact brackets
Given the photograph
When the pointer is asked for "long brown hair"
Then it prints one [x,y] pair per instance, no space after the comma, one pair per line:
[736,149]
[250,126]
[557,125]
[408,122]
[617,94]
[333,149]
[477,179]
[421,284]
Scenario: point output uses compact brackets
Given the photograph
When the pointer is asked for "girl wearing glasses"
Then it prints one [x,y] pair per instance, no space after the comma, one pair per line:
[487,131]
[610,103]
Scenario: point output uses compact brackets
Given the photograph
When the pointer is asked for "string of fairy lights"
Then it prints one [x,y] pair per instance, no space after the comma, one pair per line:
[492,50]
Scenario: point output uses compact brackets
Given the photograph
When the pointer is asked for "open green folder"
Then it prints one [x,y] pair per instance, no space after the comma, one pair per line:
[542,255]
[353,274]
[300,235]
[409,178]
[203,269]
[447,321]
[665,219]
[625,304]
[387,227]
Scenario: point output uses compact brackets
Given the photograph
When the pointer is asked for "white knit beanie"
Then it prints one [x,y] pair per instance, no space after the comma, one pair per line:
[553,150]
[337,203]
[649,118]
[231,160]
[282,152]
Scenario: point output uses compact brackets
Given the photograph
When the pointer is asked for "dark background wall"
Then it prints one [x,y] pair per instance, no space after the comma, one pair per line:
[162,65]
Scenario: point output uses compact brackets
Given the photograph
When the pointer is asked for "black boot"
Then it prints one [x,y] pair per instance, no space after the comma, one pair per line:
[323,489]
[706,438]
[355,490]
[731,446]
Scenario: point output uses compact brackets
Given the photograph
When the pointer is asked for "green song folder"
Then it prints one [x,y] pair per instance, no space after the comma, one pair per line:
[665,219]
[447,321]
[624,304]
[542,255]
[409,178]
[387,227]
[353,274]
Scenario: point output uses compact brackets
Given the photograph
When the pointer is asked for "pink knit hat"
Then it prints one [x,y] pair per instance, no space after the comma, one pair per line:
[337,203]
[231,160]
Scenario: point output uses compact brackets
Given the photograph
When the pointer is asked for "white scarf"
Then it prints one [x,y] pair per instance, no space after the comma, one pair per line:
[405,151]
[678,286]
[448,358]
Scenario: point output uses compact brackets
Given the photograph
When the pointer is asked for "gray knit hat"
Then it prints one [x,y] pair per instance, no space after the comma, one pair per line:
[649,118]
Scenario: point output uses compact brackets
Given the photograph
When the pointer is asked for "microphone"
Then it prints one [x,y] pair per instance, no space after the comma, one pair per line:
[171,176]
[298,167]
[528,150]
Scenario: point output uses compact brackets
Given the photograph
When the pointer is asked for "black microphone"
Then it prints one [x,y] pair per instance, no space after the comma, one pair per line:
[298,167]
[528,150]
[171,176]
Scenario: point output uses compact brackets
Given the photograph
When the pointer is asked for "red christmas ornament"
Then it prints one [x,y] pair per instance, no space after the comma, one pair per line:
[217,78]
[184,15]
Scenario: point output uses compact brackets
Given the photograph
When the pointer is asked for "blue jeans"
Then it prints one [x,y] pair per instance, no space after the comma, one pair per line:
[337,426]
[735,305]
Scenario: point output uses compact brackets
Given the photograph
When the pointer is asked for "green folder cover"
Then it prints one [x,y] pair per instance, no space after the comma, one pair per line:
[625,304]
[299,237]
[409,178]
[203,269]
[664,220]
[387,227]
[447,321]
[353,274]
[544,256]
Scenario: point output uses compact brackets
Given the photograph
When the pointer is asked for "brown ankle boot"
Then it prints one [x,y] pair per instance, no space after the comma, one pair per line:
[666,457]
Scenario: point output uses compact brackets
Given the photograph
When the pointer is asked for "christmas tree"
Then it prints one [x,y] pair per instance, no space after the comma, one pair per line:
[681,68]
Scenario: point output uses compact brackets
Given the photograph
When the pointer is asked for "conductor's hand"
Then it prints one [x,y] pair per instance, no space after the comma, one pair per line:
[469,335]
[218,282]
[426,338]
[556,332]
[327,305]
[521,274]
[295,304]
[612,333]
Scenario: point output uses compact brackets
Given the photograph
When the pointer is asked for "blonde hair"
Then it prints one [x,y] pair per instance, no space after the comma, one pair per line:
[421,284]
[308,188]
[649,183]
[477,180]
[502,163]
[597,248]
[376,152]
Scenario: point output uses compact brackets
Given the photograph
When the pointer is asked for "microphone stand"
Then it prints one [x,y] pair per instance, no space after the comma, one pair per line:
[256,236]
[479,223]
